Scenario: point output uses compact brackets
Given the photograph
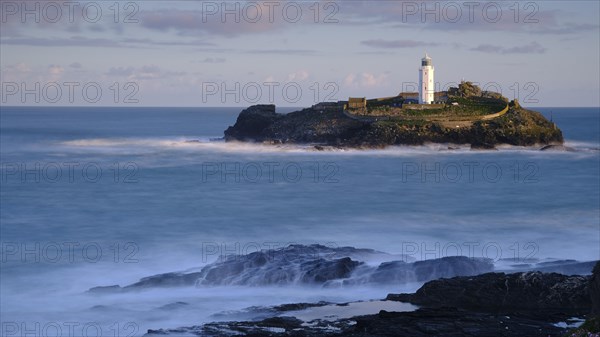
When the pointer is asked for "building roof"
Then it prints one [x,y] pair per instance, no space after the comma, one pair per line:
[357,99]
[409,94]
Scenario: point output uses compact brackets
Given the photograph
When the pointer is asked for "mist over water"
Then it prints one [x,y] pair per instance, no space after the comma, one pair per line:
[120,194]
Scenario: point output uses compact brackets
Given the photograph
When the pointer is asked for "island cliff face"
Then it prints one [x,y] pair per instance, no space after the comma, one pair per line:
[336,127]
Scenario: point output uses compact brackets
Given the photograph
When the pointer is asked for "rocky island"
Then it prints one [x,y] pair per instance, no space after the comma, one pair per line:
[462,115]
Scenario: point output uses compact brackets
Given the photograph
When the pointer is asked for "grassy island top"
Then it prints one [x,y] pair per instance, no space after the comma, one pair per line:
[465,103]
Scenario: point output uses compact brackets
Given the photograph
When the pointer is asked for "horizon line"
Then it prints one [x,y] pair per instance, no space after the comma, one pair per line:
[230,106]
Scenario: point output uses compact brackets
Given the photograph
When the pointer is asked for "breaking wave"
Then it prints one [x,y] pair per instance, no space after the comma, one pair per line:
[217,144]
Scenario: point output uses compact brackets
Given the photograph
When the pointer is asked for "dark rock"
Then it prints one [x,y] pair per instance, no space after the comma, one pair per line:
[165,280]
[313,264]
[260,123]
[323,271]
[328,266]
[105,289]
[174,306]
[565,267]
[447,322]
[155,281]
[252,122]
[421,271]
[159,332]
[553,147]
[172,332]
[273,326]
[483,146]
[496,292]
[104,308]
[594,289]
[492,304]
[256,313]
[316,265]
[298,306]
[305,264]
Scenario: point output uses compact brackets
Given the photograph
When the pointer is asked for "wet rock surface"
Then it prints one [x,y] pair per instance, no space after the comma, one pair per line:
[498,292]
[422,271]
[422,322]
[492,304]
[594,290]
[566,267]
[311,265]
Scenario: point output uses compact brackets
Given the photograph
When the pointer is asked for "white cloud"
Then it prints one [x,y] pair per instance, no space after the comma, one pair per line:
[55,69]
[299,75]
[17,68]
[349,80]
[365,80]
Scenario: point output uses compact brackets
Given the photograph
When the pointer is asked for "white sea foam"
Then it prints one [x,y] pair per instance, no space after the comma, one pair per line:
[215,144]
[154,309]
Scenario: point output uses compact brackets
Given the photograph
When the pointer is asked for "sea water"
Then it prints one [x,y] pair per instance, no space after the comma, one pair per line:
[103,196]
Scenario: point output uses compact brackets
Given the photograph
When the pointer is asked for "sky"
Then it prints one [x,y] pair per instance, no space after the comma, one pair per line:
[293,53]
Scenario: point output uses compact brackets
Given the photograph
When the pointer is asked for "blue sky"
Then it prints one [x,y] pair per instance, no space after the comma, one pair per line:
[159,53]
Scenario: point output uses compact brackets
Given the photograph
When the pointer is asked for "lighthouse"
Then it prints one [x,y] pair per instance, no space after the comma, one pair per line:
[426,84]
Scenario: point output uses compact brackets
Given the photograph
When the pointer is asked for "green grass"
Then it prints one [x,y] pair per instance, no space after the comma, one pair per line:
[468,107]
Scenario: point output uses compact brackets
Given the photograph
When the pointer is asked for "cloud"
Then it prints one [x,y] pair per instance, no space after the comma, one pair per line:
[349,80]
[378,52]
[196,43]
[379,43]
[187,22]
[531,18]
[299,75]
[120,71]
[488,48]
[283,51]
[532,48]
[17,68]
[60,42]
[365,80]
[370,80]
[55,69]
[81,41]
[569,28]
[213,60]
[75,65]
[145,72]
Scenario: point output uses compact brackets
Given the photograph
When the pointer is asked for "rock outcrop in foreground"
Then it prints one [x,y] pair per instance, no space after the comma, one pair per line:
[334,127]
[487,305]
[313,265]
[498,292]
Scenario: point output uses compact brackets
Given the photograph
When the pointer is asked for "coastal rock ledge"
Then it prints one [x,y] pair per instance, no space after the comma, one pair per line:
[334,126]
[527,304]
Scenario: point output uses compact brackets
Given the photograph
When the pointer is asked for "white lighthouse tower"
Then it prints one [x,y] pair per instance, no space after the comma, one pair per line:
[426,84]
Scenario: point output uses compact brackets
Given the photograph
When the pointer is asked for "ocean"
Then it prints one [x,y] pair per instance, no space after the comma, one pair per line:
[104,196]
